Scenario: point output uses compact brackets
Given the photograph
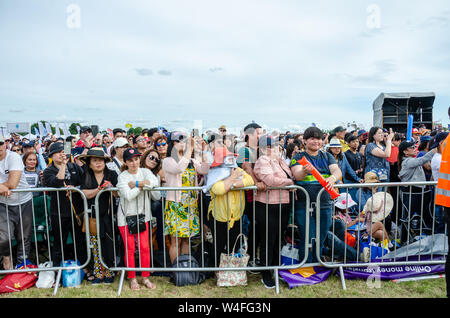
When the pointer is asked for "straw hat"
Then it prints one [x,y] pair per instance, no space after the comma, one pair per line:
[379,208]
[371,177]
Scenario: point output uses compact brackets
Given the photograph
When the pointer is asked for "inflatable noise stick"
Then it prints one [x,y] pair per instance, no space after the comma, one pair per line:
[319,178]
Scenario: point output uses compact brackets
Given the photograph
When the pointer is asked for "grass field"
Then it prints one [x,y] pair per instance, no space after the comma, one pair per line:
[331,288]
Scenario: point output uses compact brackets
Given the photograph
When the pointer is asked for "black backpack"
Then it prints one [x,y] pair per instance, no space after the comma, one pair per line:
[184,278]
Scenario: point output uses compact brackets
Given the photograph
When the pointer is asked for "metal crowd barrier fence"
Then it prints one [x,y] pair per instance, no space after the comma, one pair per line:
[204,246]
[37,232]
[411,219]
[411,213]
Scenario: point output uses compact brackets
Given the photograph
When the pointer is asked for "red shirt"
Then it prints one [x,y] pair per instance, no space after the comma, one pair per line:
[394,155]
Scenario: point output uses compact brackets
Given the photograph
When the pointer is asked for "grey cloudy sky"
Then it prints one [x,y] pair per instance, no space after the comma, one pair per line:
[283,63]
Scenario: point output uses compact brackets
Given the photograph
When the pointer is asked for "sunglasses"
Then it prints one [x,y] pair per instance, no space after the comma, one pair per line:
[159,144]
[139,140]
[156,159]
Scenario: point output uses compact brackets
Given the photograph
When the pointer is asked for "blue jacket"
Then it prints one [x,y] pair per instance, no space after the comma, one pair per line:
[348,174]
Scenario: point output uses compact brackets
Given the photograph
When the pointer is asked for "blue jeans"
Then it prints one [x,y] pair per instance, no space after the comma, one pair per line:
[335,243]
[300,220]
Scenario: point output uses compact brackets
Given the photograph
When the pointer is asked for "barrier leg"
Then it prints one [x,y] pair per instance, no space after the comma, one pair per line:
[122,277]
[341,272]
[277,281]
[58,279]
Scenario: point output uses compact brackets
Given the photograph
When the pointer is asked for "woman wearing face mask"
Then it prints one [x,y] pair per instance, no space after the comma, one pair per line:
[271,169]
[181,215]
[134,202]
[96,178]
[226,206]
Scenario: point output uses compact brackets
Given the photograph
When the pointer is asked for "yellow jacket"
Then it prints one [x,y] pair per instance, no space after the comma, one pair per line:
[228,206]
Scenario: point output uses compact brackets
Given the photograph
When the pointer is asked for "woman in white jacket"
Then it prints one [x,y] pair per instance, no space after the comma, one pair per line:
[133,202]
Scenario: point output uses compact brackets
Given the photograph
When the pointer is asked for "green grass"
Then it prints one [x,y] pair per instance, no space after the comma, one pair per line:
[331,288]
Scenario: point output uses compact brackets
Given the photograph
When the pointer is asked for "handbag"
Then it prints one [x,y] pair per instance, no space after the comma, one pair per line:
[136,223]
[92,226]
[233,278]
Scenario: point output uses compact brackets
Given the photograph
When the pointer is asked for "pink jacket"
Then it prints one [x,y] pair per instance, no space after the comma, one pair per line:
[274,173]
[173,171]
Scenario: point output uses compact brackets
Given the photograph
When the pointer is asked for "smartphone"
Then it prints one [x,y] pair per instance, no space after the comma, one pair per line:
[67,147]
[94,130]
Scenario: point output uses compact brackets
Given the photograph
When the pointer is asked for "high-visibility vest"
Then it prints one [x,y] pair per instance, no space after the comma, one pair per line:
[443,186]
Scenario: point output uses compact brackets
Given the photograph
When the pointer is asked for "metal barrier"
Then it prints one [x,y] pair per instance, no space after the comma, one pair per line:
[200,241]
[42,225]
[409,206]
[110,249]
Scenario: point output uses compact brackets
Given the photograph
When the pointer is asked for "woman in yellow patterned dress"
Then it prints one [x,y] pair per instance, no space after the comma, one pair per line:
[181,215]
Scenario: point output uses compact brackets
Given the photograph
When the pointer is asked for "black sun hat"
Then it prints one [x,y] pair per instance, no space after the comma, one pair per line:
[94,153]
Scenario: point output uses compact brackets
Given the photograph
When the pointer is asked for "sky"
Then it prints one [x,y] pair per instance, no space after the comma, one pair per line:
[282,63]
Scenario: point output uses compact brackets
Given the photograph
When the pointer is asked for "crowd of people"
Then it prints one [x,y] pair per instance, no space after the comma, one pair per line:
[220,163]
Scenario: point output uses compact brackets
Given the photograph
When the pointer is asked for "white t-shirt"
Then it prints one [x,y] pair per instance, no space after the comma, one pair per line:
[13,162]
[435,164]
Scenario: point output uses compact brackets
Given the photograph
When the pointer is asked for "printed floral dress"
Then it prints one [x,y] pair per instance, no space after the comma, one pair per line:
[181,219]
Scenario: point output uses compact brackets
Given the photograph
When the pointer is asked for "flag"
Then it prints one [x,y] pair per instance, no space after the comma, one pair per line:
[128,126]
[110,132]
[78,130]
[48,128]
[66,130]
[36,132]
[42,131]
[57,131]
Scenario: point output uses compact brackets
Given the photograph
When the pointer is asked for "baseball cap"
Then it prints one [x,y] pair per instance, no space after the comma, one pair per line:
[361,132]
[339,129]
[177,136]
[85,128]
[415,131]
[28,145]
[130,153]
[220,154]
[120,142]
[405,144]
[438,138]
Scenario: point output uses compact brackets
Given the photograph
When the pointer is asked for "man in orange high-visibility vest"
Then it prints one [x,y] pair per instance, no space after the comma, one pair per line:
[443,196]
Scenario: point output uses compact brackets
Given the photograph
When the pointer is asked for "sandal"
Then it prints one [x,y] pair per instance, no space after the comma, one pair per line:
[89,276]
[134,285]
[147,283]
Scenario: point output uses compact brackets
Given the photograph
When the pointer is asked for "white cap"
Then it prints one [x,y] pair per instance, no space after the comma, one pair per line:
[120,142]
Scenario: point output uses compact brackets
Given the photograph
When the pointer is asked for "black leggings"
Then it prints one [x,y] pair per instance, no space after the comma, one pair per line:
[269,238]
[224,239]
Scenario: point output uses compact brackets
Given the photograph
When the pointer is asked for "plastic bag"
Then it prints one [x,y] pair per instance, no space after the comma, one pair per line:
[289,255]
[72,277]
[46,279]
